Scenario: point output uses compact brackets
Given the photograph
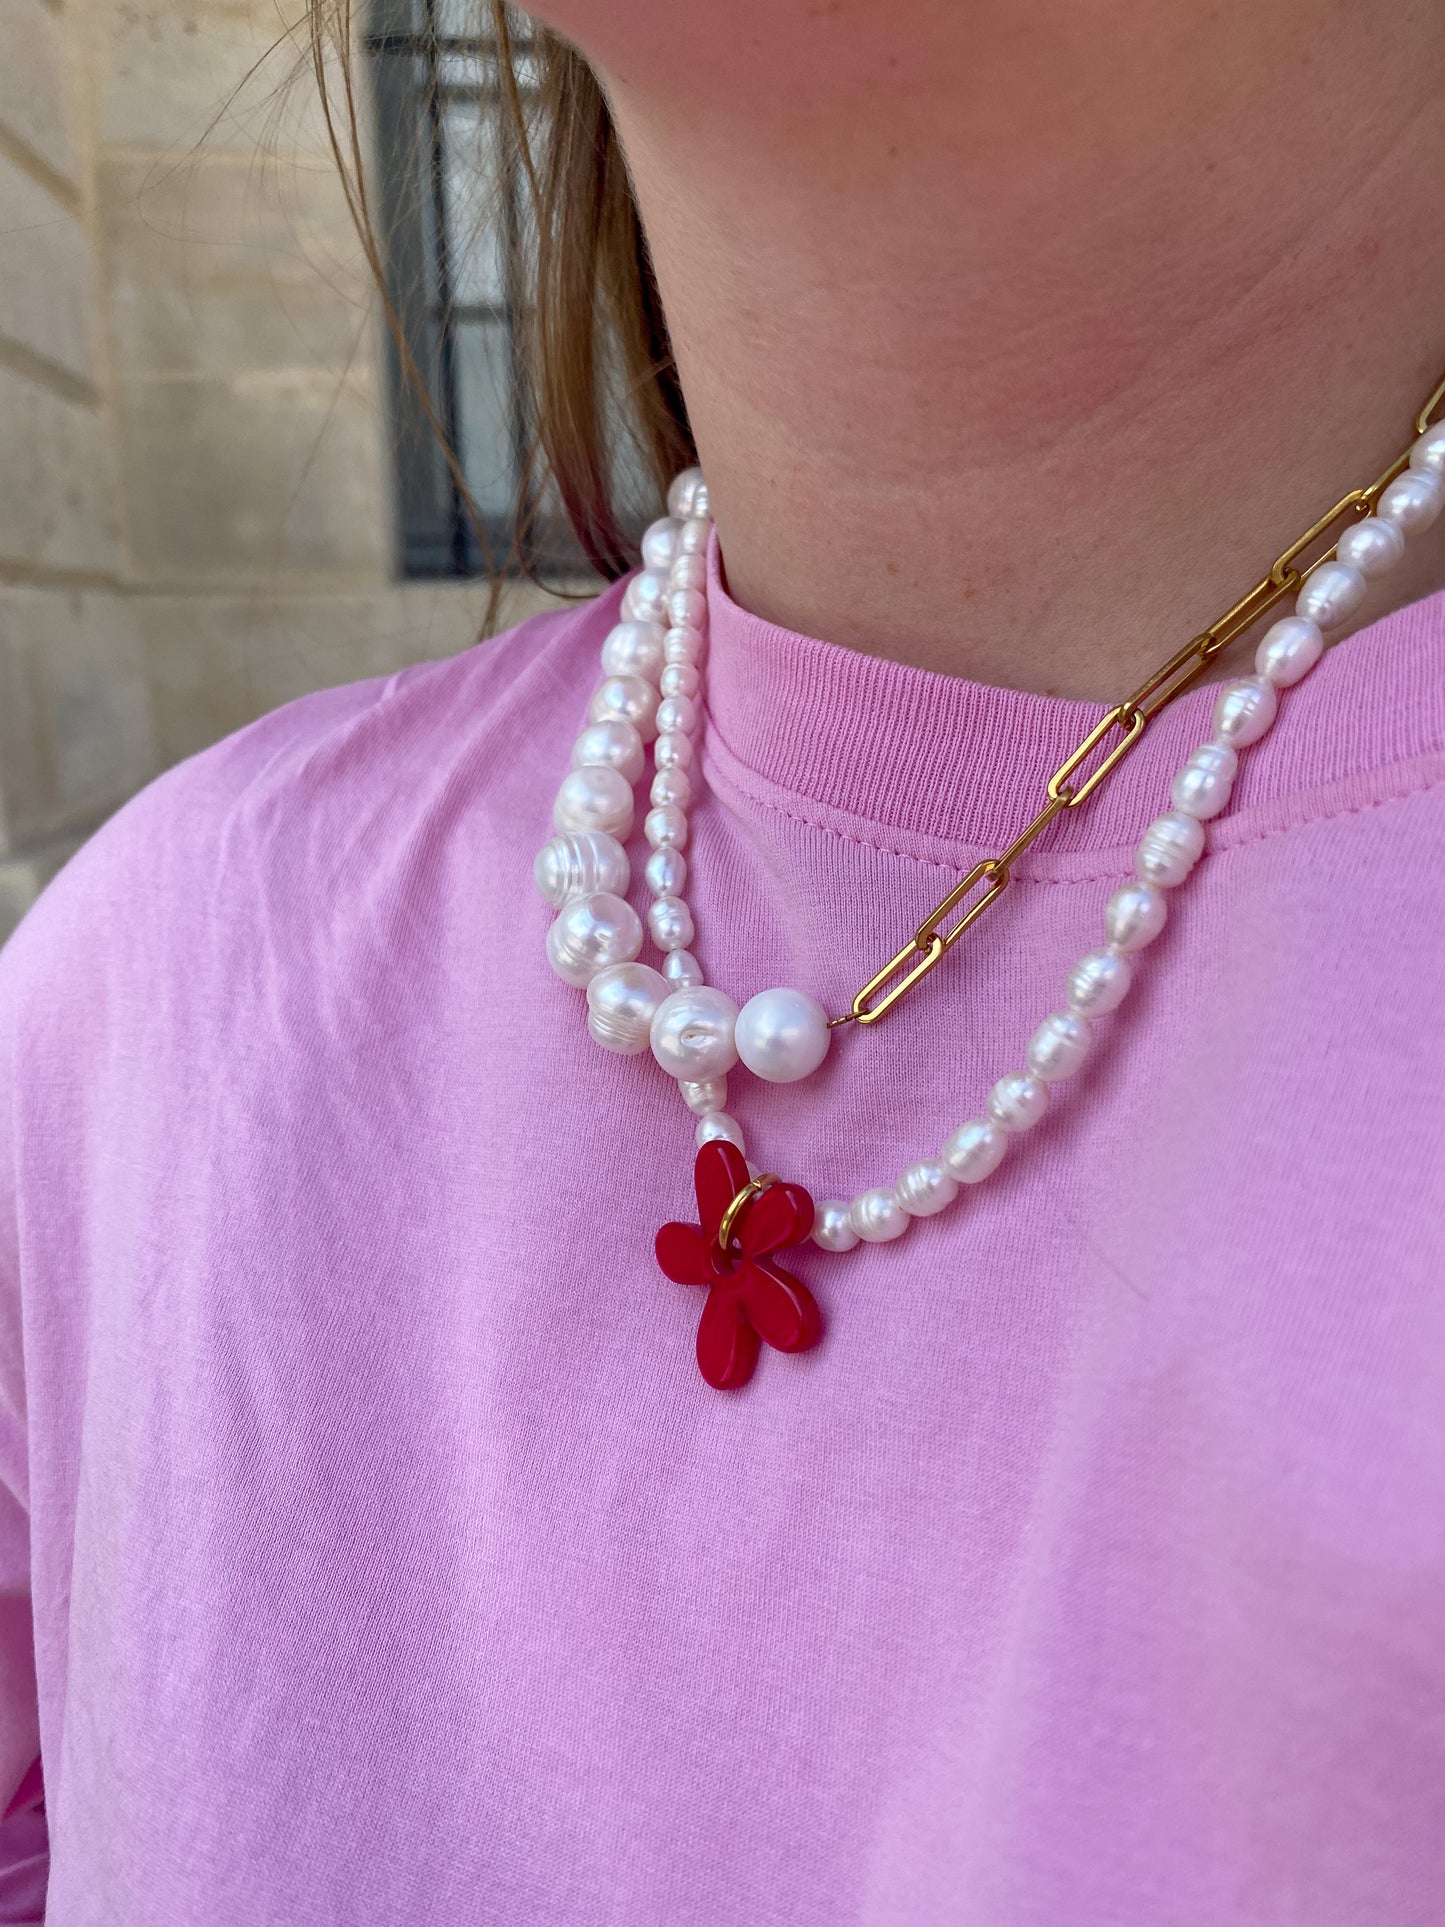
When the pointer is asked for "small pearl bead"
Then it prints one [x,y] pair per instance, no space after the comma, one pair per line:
[661,543]
[687,609]
[1168,850]
[645,597]
[1288,650]
[1244,710]
[1331,595]
[1058,1047]
[694,536]
[682,492]
[1202,786]
[671,924]
[1018,1101]
[877,1215]
[706,1094]
[579,863]
[671,786]
[782,1035]
[1099,983]
[684,645]
[666,871]
[621,1004]
[1372,546]
[590,934]
[633,649]
[673,751]
[832,1226]
[701,502]
[925,1187]
[1412,501]
[677,714]
[626,699]
[1135,915]
[1427,457]
[616,744]
[682,970]
[688,572]
[717,1124]
[679,679]
[692,1033]
[666,827]
[974,1150]
[595,797]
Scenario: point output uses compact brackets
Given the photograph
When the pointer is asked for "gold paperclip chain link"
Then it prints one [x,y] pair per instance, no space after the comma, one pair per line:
[1066,789]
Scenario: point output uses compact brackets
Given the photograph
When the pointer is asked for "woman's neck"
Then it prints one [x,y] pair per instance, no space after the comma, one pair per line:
[1017,348]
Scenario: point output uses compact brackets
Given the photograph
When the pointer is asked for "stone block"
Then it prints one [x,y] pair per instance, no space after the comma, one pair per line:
[56,490]
[46,292]
[35,106]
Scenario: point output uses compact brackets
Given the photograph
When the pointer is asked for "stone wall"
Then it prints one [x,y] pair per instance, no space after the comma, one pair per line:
[195,493]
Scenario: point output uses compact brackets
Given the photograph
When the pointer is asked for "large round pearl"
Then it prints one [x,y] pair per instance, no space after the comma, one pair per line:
[682,492]
[1288,650]
[671,924]
[717,1124]
[974,1149]
[666,827]
[707,1094]
[925,1187]
[633,649]
[645,597]
[1018,1101]
[682,970]
[692,1033]
[1412,501]
[671,786]
[1135,915]
[676,714]
[1372,546]
[782,1035]
[1058,1047]
[621,1004]
[666,871]
[577,864]
[591,934]
[661,543]
[1427,457]
[1202,787]
[679,679]
[626,699]
[1099,983]
[833,1227]
[616,744]
[877,1215]
[595,797]
[1331,594]
[1244,710]
[1169,849]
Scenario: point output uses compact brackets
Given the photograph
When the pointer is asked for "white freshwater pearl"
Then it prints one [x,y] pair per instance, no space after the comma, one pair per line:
[974,1150]
[1058,1047]
[692,1033]
[1018,1101]
[676,715]
[717,1124]
[595,797]
[621,1004]
[671,787]
[626,699]
[1288,650]
[701,502]
[877,1215]
[1135,915]
[684,645]
[616,744]
[694,536]
[688,572]
[706,1094]
[833,1227]
[1412,501]
[577,864]
[679,679]
[666,871]
[646,596]
[687,609]
[1169,849]
[1372,546]
[925,1187]
[1427,457]
[671,924]
[682,492]
[1202,786]
[1099,983]
[782,1035]
[1331,594]
[634,649]
[666,827]
[591,934]
[661,543]
[1244,710]
[673,751]
[682,970]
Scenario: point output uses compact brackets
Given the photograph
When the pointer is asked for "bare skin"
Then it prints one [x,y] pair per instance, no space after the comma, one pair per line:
[1018,340]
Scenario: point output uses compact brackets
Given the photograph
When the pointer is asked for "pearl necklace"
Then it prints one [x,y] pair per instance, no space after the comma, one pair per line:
[651,692]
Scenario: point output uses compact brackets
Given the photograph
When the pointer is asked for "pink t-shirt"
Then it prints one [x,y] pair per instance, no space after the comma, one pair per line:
[385,1556]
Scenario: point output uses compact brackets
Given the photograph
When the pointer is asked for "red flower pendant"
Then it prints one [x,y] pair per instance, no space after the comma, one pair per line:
[749,1297]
